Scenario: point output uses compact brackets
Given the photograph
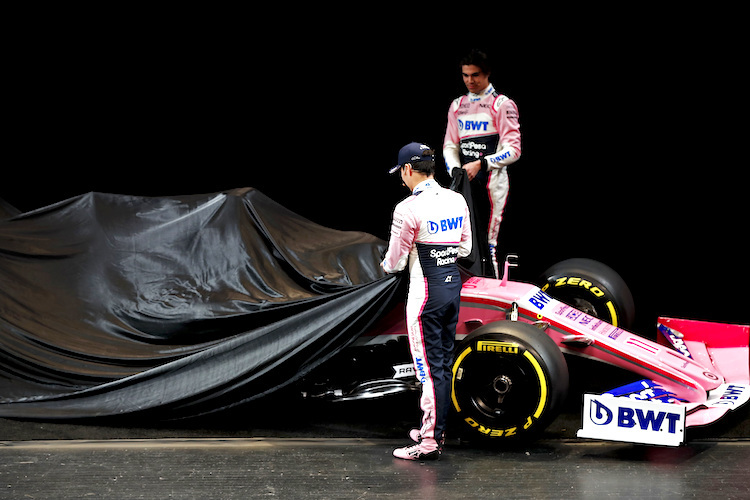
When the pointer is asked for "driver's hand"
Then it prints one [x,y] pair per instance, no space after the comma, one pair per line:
[473,168]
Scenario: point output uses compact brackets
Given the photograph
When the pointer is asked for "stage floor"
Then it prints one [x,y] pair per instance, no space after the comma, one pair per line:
[349,468]
[332,451]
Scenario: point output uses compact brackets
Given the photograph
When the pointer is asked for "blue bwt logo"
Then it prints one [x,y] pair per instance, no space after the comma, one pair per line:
[600,414]
[445,224]
[633,420]
[629,418]
[477,125]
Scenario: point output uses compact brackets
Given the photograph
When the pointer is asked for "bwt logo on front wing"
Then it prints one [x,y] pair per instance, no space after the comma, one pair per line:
[625,419]
[631,417]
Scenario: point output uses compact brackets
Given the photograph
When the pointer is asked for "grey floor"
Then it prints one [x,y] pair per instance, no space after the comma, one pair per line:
[333,451]
[348,468]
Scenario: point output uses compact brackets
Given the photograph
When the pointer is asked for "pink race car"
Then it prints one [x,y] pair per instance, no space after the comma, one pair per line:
[510,377]
[172,307]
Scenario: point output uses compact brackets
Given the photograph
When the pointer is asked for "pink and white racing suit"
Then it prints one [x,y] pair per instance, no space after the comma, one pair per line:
[484,126]
[430,231]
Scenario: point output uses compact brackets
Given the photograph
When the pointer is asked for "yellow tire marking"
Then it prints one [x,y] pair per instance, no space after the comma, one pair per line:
[542,383]
[453,385]
[612,312]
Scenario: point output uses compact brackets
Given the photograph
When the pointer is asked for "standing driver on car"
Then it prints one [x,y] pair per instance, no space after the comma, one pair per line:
[483,137]
[430,230]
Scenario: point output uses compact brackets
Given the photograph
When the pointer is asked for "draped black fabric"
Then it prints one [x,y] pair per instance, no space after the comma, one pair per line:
[176,306]
[478,262]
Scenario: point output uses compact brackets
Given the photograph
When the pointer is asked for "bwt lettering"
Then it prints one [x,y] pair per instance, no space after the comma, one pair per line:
[445,224]
[630,417]
[472,125]
[539,300]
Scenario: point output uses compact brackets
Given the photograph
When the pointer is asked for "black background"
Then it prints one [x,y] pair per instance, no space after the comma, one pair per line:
[632,132]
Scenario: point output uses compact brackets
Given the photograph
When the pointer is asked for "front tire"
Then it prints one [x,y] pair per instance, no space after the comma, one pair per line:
[509,381]
[591,287]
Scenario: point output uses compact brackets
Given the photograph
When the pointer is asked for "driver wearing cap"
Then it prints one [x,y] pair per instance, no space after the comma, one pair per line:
[430,230]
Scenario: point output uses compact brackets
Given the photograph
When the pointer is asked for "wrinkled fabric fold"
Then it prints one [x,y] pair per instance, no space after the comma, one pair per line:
[176,306]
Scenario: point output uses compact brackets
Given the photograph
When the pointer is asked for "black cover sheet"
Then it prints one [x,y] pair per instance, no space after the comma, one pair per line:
[174,306]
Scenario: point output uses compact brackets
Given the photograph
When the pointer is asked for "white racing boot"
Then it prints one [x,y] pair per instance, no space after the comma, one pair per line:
[426,449]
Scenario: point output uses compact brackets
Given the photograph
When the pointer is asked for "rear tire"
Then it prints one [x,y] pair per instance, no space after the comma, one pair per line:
[509,381]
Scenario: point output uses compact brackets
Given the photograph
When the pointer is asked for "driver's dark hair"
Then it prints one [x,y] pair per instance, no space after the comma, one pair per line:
[425,166]
[477,58]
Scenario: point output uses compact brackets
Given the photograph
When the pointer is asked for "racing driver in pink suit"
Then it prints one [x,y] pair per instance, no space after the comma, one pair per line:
[483,137]
[429,232]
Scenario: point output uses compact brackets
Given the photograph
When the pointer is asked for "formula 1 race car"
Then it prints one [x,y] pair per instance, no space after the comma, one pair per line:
[510,376]
[173,307]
